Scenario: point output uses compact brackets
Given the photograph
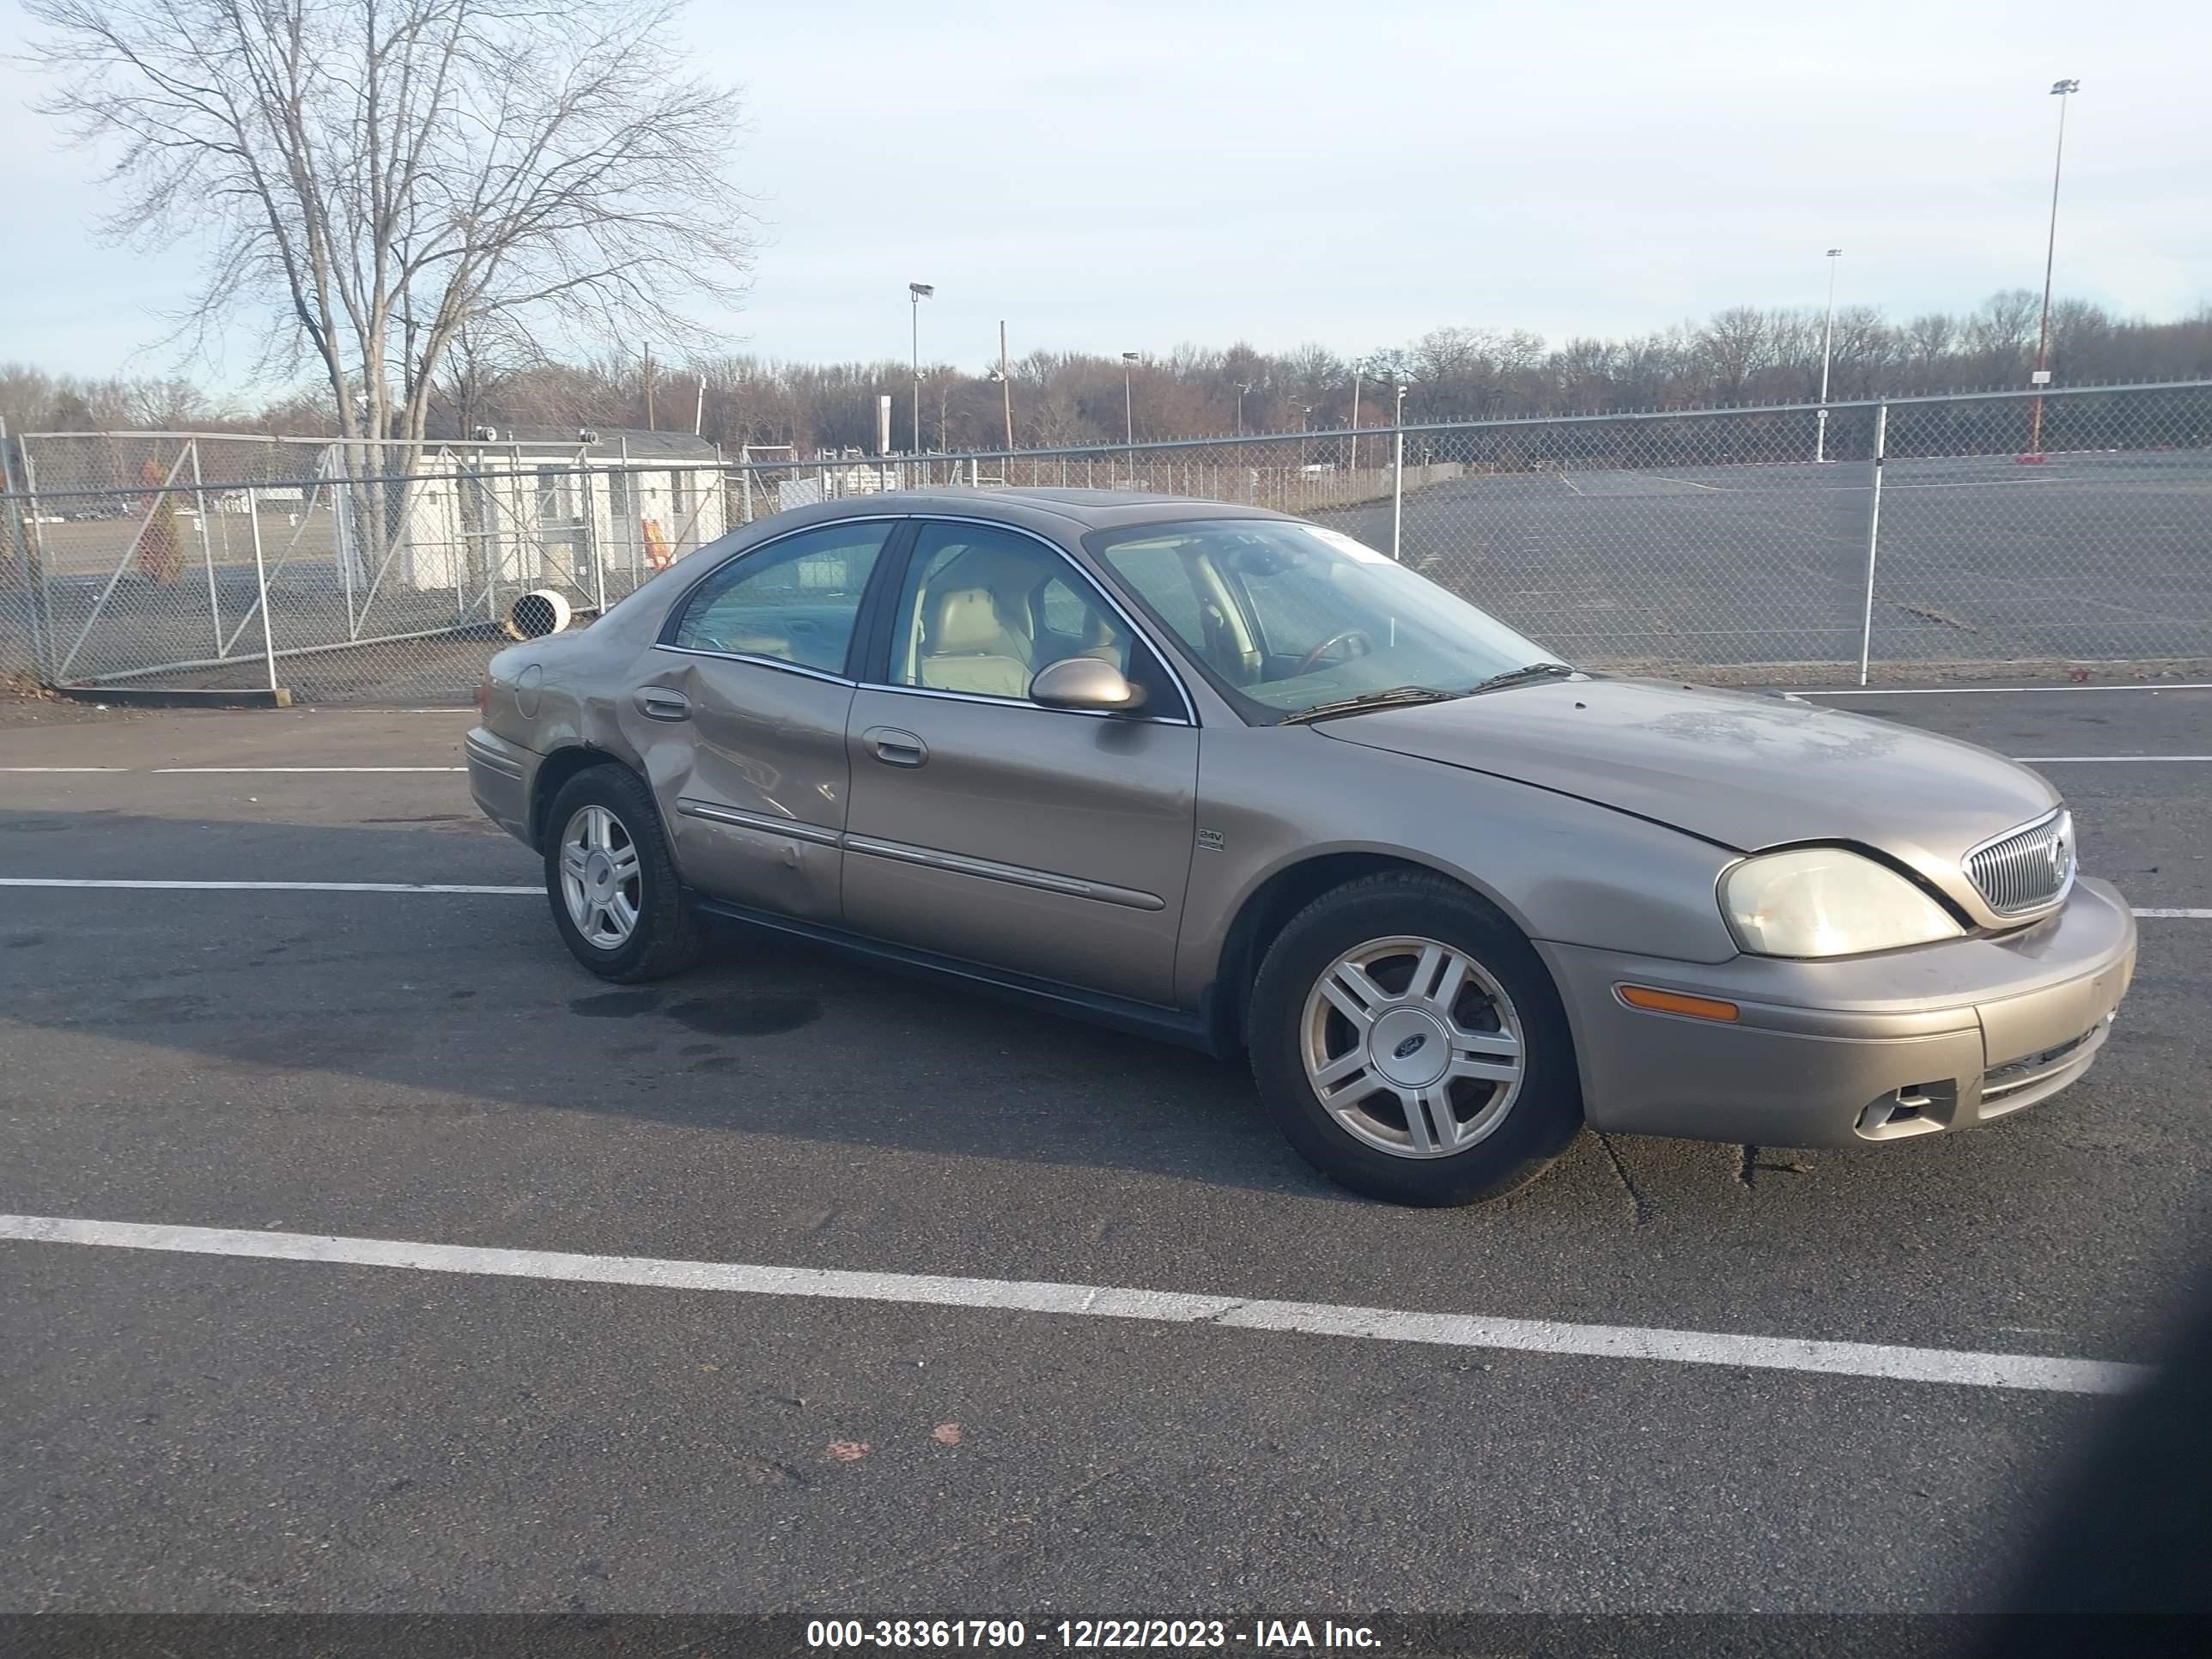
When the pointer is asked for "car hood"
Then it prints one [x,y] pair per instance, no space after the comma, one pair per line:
[1747,771]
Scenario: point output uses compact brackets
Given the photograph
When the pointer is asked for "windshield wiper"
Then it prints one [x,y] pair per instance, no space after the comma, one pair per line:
[1396,696]
[1522,676]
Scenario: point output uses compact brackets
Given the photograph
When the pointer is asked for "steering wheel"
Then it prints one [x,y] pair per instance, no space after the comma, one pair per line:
[1311,660]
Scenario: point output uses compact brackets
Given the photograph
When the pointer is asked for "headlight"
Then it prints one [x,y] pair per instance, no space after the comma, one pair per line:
[1825,902]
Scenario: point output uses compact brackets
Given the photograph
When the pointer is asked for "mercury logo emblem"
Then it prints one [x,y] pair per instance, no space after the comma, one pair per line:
[1412,1045]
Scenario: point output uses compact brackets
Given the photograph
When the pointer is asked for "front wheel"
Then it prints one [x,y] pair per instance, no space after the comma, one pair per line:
[1410,1044]
[616,899]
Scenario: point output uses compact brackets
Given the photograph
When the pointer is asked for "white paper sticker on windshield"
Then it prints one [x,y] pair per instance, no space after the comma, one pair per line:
[1344,544]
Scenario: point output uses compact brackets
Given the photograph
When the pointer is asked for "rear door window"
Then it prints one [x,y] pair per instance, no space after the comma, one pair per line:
[795,600]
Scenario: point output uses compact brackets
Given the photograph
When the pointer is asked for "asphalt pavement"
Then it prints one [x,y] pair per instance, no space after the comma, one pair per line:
[2093,556]
[222,1433]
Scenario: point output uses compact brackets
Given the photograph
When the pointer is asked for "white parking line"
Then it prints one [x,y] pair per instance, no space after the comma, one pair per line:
[269,886]
[250,770]
[1998,690]
[504,892]
[1948,1365]
[307,769]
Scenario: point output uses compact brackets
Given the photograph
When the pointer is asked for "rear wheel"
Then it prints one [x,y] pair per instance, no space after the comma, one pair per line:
[1409,1043]
[615,897]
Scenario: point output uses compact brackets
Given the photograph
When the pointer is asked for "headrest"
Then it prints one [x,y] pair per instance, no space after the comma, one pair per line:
[965,619]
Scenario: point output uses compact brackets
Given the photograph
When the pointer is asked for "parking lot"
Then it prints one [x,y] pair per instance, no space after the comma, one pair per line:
[2095,556]
[269,980]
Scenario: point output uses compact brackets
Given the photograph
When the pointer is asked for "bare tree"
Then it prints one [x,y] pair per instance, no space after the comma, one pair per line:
[1929,342]
[376,179]
[2000,336]
[1733,347]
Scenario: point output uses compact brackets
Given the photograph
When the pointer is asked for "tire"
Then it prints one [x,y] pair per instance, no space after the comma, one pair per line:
[665,936]
[1470,1133]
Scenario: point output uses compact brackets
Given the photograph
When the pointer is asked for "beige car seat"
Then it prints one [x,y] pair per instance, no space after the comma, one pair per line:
[974,638]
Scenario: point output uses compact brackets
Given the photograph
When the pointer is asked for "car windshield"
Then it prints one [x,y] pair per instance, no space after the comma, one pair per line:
[1287,617]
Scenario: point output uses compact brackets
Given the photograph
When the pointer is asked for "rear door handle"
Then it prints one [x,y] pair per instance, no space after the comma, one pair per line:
[895,747]
[658,703]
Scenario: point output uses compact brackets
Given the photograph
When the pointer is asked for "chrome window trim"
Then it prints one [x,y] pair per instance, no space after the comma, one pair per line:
[1024,702]
[792,829]
[1165,659]
[2041,907]
[757,662]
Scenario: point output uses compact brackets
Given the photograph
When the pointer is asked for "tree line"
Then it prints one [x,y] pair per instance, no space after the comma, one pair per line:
[1741,356]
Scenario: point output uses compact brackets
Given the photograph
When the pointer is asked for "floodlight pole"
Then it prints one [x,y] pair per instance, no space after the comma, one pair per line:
[917,292]
[1129,414]
[1398,474]
[1827,344]
[2061,90]
[1357,368]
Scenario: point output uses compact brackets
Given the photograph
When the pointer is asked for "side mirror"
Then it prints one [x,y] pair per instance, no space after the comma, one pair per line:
[1090,683]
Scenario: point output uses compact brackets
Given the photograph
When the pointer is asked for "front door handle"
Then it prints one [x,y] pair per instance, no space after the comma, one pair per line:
[895,747]
[658,703]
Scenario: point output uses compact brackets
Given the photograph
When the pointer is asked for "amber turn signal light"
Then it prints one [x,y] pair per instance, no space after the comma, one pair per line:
[1674,1002]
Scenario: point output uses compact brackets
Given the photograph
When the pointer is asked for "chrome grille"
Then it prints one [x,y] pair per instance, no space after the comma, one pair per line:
[2025,869]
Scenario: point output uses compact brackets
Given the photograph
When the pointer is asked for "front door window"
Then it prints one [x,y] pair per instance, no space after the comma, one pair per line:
[982,610]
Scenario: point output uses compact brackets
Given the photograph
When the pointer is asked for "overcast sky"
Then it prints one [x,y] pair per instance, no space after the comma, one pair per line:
[1138,175]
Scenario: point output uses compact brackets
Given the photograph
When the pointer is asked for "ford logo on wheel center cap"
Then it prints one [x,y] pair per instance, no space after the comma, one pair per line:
[1412,1045]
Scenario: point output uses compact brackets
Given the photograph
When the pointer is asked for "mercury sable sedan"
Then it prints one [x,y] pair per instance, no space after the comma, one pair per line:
[1237,780]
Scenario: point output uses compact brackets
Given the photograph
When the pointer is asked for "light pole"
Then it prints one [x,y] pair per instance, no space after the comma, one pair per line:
[1243,387]
[1827,344]
[1006,384]
[1398,473]
[917,292]
[1129,414]
[1358,367]
[2061,90]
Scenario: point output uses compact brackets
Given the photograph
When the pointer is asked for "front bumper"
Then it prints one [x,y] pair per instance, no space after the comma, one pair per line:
[1838,1054]
[500,778]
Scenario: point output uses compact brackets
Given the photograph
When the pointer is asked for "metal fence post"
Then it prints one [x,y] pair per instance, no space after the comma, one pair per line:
[1398,493]
[342,530]
[21,528]
[1874,539]
[42,601]
[207,553]
[261,583]
[597,553]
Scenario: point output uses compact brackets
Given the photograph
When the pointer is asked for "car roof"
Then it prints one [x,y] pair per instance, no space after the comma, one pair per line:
[1084,509]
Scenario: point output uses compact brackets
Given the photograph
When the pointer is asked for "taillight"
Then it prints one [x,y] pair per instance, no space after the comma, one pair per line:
[484,694]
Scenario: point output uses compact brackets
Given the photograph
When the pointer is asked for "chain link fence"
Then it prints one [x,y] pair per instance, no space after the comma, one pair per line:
[1793,544]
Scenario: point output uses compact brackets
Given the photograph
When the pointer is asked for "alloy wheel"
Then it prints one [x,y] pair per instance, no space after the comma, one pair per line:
[600,882]
[1413,1046]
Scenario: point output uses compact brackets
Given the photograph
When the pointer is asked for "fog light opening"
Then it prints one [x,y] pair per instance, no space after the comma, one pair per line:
[1913,1108]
